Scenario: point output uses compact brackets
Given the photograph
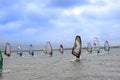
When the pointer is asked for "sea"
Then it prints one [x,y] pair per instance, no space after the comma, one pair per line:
[41,66]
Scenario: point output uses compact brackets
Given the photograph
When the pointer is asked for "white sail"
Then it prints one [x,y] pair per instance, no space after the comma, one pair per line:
[49,48]
[89,47]
[19,50]
[96,45]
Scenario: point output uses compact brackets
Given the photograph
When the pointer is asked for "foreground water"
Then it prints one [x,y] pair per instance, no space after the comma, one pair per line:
[94,66]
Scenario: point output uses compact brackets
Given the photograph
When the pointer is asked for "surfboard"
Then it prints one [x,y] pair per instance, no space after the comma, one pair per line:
[106,46]
[31,51]
[89,47]
[76,50]
[5,71]
[49,49]
[19,51]
[74,60]
[61,49]
[7,50]
[96,45]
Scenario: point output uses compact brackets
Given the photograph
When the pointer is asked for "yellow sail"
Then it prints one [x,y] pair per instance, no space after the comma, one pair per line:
[44,50]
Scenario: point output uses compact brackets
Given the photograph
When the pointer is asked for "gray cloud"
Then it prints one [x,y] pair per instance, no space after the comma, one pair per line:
[66,3]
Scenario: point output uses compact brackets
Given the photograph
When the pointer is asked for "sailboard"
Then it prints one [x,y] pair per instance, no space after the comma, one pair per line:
[7,50]
[5,71]
[1,61]
[89,47]
[31,50]
[61,49]
[106,46]
[19,51]
[96,45]
[76,50]
[49,49]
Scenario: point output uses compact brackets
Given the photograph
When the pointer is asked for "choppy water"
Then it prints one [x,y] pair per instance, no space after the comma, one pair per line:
[94,66]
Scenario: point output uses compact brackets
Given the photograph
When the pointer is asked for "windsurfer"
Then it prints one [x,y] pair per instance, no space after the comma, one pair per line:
[76,51]
[1,61]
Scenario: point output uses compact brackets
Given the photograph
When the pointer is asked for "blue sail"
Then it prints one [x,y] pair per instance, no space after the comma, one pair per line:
[19,51]
[31,51]
[106,46]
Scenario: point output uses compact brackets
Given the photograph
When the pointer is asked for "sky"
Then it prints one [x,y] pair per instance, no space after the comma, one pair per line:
[59,21]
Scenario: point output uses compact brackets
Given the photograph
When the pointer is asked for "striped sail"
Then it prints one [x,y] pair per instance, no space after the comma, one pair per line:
[76,50]
[7,50]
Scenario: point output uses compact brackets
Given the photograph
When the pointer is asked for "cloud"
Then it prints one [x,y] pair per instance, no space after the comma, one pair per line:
[59,20]
[66,3]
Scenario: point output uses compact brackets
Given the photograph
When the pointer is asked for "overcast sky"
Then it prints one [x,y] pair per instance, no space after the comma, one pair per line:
[59,21]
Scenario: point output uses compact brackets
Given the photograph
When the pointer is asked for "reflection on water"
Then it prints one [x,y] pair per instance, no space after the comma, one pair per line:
[0,75]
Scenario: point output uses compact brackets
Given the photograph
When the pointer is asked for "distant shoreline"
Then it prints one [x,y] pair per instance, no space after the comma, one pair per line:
[64,49]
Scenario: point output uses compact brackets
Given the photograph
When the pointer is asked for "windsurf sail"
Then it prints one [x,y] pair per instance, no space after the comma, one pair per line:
[76,50]
[19,50]
[49,48]
[61,49]
[31,51]
[106,46]
[7,50]
[44,50]
[96,45]
[89,47]
[1,61]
